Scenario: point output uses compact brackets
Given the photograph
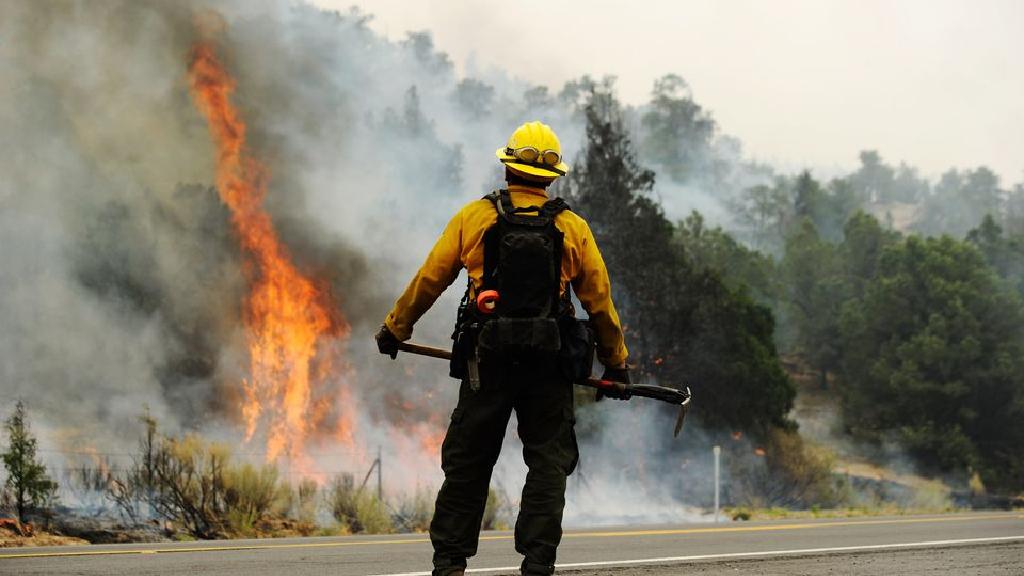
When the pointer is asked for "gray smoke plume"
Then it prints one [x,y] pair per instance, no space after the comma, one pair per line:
[121,282]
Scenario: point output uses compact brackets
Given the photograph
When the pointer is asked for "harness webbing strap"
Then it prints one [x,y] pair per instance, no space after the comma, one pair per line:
[502,201]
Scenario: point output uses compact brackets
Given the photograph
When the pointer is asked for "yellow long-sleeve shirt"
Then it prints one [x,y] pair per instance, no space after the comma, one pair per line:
[461,245]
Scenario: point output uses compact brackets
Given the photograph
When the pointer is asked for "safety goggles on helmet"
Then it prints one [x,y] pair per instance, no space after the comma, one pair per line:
[531,155]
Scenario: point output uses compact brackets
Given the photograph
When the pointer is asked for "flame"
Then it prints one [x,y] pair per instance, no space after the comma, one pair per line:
[432,438]
[417,428]
[288,316]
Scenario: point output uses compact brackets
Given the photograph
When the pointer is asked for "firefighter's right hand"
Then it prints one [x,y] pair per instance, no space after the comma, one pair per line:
[615,374]
[386,342]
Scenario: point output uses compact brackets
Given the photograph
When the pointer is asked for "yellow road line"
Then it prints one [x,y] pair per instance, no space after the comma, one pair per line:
[596,534]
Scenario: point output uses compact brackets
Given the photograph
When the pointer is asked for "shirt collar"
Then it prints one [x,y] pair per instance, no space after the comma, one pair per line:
[533,191]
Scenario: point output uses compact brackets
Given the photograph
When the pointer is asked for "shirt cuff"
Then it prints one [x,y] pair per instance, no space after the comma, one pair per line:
[401,333]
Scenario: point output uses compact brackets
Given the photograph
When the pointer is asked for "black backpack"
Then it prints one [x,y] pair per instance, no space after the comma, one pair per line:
[531,320]
[523,262]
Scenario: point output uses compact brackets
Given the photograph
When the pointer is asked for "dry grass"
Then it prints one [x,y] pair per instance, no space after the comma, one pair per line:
[747,513]
[14,534]
[355,509]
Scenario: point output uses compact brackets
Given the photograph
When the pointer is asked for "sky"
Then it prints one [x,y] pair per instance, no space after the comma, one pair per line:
[803,83]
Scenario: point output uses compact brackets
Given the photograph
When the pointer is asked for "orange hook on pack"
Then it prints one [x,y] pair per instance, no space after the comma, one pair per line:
[486,301]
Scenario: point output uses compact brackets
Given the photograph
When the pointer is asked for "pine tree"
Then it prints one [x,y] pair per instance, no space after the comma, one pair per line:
[683,323]
[29,484]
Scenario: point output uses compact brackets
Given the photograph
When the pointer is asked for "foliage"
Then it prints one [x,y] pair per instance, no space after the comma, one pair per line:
[741,268]
[194,484]
[813,296]
[768,215]
[920,334]
[494,509]
[415,511]
[877,182]
[934,354]
[136,486]
[355,509]
[306,500]
[251,493]
[189,487]
[763,214]
[959,202]
[30,487]
[684,323]
[787,471]
[475,98]
[676,131]
[1003,252]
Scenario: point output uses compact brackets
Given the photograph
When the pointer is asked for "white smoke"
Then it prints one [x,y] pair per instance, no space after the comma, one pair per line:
[121,282]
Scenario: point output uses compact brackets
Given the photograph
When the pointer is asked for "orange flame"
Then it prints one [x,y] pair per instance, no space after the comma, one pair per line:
[287,314]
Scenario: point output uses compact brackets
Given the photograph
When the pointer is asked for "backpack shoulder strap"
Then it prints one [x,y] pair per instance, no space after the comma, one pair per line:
[554,207]
[502,201]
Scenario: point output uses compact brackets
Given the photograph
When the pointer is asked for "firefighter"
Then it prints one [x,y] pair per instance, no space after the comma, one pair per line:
[518,346]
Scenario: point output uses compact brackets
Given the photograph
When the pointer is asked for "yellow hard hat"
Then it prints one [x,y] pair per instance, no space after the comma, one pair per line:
[534,150]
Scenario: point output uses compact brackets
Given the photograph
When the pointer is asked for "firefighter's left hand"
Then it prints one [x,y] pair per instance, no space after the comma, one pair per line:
[615,374]
[387,343]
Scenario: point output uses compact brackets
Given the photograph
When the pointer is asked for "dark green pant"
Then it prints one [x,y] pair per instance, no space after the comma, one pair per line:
[543,401]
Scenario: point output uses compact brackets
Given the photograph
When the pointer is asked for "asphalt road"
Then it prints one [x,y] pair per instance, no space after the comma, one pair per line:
[974,543]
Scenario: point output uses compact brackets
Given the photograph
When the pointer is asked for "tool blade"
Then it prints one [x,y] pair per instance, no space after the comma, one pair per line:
[683,408]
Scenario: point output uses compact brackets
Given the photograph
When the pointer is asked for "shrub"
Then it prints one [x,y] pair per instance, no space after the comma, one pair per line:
[306,506]
[250,493]
[494,511]
[193,484]
[356,510]
[415,511]
[787,472]
[189,486]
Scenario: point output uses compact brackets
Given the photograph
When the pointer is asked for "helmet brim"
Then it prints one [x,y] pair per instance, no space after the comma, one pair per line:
[561,169]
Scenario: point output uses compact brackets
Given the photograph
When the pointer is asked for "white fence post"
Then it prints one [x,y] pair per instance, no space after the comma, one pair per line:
[718,451]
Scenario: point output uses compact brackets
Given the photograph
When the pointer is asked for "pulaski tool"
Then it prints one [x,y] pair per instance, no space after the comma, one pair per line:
[609,388]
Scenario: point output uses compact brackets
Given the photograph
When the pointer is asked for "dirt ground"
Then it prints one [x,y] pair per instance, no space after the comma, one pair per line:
[9,540]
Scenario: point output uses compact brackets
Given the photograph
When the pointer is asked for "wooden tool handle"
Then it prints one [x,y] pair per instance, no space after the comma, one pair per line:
[425,350]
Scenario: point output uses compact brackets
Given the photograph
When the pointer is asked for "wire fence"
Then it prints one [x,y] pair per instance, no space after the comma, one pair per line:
[107,465]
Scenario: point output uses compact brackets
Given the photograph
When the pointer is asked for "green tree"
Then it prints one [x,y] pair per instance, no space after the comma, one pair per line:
[764,213]
[474,98]
[1014,210]
[827,207]
[1004,253]
[934,357]
[610,188]
[684,323]
[676,132]
[741,268]
[864,239]
[907,186]
[808,198]
[411,133]
[874,179]
[814,294]
[839,204]
[29,484]
[722,345]
[960,201]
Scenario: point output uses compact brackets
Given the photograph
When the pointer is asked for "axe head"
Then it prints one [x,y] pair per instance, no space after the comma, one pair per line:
[683,408]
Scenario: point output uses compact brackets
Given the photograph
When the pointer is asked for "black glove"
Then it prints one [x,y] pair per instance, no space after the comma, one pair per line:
[615,375]
[386,342]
